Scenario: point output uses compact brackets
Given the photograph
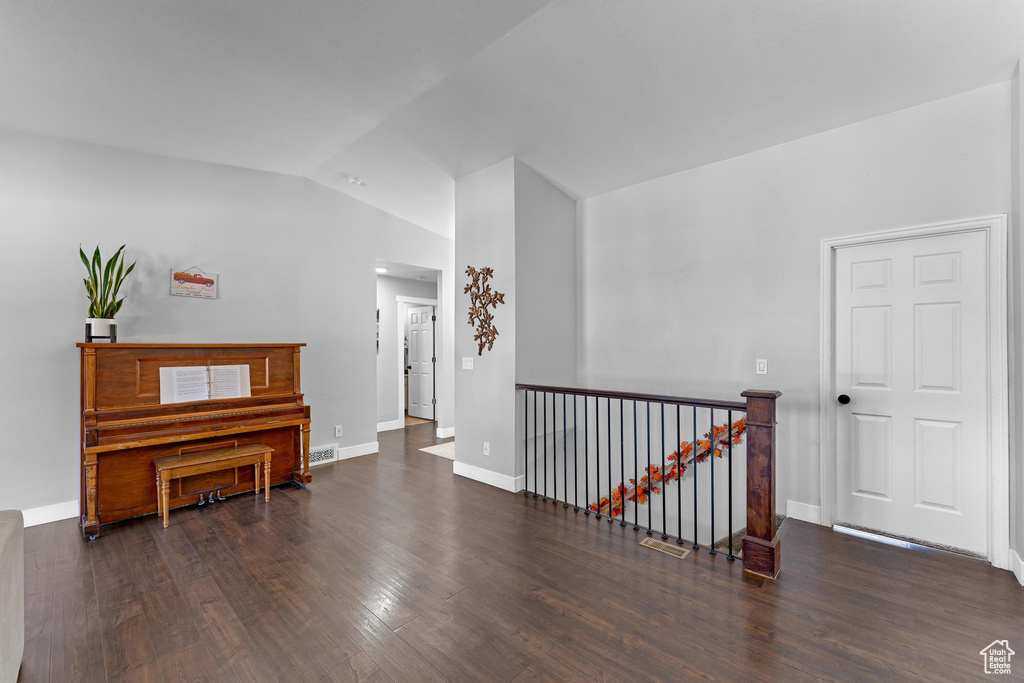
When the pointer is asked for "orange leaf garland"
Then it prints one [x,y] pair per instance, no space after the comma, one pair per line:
[640,492]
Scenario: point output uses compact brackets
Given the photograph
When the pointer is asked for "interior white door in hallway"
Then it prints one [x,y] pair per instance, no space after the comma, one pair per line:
[911,354]
[421,361]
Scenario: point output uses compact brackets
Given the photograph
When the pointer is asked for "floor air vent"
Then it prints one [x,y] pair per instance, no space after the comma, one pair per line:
[322,454]
[673,549]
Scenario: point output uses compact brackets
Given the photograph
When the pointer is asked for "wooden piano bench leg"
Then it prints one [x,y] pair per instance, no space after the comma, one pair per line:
[159,497]
[256,467]
[165,495]
[266,478]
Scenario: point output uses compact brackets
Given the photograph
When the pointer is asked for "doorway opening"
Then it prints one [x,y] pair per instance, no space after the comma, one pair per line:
[408,326]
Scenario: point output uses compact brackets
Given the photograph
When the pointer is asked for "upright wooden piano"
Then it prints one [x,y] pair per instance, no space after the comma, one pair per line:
[125,427]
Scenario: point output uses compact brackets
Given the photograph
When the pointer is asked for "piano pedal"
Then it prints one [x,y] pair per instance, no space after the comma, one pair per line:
[220,497]
[210,499]
[202,500]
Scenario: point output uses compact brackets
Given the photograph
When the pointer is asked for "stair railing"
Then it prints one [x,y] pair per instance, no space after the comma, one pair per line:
[581,444]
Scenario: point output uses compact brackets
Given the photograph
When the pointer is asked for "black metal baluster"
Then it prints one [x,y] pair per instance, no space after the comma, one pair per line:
[664,483]
[694,452]
[554,450]
[565,465]
[649,502]
[730,555]
[575,459]
[711,456]
[636,478]
[597,446]
[526,442]
[544,434]
[622,467]
[534,444]
[611,517]
[586,458]
[679,474]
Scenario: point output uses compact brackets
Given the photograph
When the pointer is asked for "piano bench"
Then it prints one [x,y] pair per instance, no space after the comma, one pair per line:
[202,462]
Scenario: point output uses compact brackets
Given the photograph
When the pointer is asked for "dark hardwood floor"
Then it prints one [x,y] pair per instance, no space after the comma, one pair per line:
[388,567]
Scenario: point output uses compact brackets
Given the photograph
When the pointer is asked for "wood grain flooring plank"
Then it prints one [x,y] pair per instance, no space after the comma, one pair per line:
[128,652]
[359,668]
[40,586]
[76,652]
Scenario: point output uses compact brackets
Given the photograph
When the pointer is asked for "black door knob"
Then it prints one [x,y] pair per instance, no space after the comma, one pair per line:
[844,399]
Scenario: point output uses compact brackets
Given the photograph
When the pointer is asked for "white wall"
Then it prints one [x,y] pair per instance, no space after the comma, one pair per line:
[510,218]
[485,395]
[687,279]
[387,357]
[545,281]
[296,263]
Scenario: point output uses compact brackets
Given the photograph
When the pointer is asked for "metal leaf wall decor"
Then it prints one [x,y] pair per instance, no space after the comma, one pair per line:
[481,299]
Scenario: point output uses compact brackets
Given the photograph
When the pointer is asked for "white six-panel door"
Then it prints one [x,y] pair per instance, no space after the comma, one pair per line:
[911,345]
[421,366]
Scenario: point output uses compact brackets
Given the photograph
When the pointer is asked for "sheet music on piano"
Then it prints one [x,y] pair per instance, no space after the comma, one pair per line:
[229,381]
[180,384]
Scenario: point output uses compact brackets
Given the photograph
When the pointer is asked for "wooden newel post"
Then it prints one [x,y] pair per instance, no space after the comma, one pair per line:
[760,544]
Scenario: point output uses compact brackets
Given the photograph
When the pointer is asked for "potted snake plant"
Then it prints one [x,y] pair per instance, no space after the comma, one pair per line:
[101,288]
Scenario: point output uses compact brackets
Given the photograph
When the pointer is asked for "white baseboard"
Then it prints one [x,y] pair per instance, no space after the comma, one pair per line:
[502,481]
[803,512]
[389,425]
[357,450]
[50,513]
[1016,566]
[445,433]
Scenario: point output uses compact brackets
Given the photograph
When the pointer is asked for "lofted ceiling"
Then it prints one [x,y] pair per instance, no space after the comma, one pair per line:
[276,85]
[407,95]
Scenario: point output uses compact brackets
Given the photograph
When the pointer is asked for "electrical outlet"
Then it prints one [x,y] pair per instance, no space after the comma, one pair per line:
[487,447]
[467,362]
[762,366]
[337,430]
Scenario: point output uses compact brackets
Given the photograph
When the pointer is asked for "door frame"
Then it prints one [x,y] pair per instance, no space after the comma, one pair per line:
[994,228]
[402,313]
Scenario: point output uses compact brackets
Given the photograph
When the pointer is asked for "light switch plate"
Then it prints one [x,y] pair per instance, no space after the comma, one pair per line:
[467,362]
[762,366]
[337,430]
